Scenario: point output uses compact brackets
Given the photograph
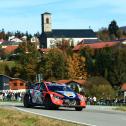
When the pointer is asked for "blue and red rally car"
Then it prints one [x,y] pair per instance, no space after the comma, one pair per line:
[52,96]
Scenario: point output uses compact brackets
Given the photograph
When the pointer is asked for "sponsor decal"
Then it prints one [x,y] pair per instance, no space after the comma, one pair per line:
[67,93]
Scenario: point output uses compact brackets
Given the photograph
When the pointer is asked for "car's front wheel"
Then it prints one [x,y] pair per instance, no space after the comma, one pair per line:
[78,108]
[27,101]
[49,104]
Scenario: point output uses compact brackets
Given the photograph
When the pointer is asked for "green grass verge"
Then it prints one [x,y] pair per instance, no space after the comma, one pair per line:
[10,117]
[121,108]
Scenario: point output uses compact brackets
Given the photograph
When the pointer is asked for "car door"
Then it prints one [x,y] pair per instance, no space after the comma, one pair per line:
[36,98]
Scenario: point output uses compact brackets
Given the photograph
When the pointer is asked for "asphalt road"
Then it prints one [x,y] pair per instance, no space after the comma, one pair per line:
[91,116]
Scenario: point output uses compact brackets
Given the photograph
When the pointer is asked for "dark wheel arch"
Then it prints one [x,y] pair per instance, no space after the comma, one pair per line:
[27,101]
[48,103]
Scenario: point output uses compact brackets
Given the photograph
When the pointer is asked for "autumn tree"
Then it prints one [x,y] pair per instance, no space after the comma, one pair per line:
[103,34]
[76,67]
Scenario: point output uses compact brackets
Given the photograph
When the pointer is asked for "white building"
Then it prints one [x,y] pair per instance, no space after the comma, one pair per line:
[14,39]
[49,36]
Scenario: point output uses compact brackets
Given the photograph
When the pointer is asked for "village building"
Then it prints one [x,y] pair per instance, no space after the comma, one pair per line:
[51,37]
[12,84]
[96,45]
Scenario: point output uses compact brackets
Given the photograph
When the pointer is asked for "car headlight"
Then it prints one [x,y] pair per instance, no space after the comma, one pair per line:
[56,97]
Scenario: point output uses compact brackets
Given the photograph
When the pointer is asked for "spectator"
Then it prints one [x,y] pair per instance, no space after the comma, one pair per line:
[94,100]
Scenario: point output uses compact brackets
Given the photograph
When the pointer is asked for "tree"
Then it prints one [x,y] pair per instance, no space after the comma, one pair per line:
[76,67]
[103,61]
[88,53]
[99,87]
[117,73]
[27,60]
[103,34]
[2,34]
[53,65]
[113,30]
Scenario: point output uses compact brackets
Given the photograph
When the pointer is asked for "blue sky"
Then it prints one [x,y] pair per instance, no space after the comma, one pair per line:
[24,15]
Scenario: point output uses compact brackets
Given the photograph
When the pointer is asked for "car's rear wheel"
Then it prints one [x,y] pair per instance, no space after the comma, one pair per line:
[78,108]
[27,101]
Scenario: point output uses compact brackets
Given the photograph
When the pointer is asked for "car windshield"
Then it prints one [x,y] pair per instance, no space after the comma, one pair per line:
[58,88]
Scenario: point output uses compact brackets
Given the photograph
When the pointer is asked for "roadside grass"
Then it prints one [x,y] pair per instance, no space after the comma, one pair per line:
[10,117]
[121,108]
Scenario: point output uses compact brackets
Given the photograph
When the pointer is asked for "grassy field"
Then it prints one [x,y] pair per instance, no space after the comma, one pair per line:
[16,118]
[121,108]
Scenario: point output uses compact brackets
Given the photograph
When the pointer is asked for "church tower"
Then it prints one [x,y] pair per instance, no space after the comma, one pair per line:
[46,22]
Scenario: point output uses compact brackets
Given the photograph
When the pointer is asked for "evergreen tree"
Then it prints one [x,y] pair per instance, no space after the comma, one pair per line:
[113,30]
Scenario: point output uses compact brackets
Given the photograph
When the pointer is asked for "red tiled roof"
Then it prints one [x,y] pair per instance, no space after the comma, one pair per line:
[123,87]
[10,49]
[97,45]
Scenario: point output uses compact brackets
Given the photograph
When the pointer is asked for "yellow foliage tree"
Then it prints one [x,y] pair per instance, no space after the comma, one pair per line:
[76,67]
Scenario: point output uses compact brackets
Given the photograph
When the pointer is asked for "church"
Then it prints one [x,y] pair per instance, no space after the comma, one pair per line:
[49,37]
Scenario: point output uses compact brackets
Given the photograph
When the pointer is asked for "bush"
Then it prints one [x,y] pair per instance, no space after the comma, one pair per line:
[99,87]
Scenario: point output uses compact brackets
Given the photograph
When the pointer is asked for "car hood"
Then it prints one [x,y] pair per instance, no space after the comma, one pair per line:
[67,94]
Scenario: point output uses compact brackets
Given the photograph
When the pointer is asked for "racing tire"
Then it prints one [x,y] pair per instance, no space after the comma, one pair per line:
[27,101]
[49,104]
[78,108]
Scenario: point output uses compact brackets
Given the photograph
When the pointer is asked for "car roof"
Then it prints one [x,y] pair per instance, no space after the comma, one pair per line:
[55,84]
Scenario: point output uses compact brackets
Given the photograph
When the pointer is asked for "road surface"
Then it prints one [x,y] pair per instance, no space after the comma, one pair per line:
[91,116]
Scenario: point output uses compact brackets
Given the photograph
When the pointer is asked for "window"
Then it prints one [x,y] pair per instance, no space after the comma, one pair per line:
[37,86]
[47,20]
[42,87]
[21,84]
[15,84]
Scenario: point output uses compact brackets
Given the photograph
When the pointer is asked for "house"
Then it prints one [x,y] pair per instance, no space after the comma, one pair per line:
[77,85]
[13,84]
[17,84]
[9,43]
[10,49]
[15,39]
[4,82]
[51,37]
[97,45]
[36,41]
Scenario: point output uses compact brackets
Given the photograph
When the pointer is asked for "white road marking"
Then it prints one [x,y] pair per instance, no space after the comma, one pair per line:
[55,117]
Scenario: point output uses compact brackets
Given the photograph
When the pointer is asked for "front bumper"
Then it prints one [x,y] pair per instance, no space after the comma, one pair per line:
[73,103]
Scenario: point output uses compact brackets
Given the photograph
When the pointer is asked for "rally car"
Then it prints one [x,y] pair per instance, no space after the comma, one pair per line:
[52,96]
